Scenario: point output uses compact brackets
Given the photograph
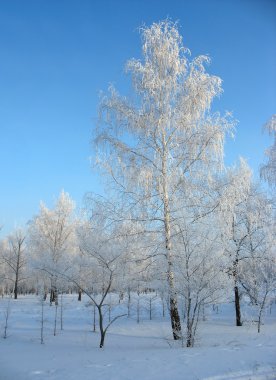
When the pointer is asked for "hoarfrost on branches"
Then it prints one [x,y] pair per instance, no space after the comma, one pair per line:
[166,141]
[268,170]
[52,238]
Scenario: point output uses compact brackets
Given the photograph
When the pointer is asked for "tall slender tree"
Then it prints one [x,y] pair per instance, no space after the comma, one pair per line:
[52,239]
[268,170]
[13,256]
[164,140]
[234,197]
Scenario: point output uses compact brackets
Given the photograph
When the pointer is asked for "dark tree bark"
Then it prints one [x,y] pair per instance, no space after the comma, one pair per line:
[237,306]
[236,291]
[128,302]
[175,319]
[79,295]
[52,299]
[102,330]
[54,295]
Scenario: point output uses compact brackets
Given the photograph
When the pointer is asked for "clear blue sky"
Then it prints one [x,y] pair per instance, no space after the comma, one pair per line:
[56,55]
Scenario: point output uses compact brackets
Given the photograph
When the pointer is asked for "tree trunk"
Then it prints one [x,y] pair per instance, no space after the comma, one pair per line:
[61,311]
[189,338]
[52,298]
[42,322]
[189,329]
[259,323]
[128,302]
[138,308]
[6,314]
[53,295]
[102,340]
[101,327]
[261,311]
[163,304]
[236,290]
[17,275]
[94,318]
[79,295]
[55,325]
[175,319]
[237,306]
[16,289]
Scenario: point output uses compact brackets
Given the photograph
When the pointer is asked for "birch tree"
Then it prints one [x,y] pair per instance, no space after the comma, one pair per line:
[257,272]
[163,139]
[13,256]
[268,170]
[247,216]
[102,260]
[52,239]
[258,278]
[200,271]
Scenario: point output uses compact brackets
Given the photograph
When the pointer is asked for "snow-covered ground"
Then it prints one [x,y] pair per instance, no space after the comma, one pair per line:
[132,351]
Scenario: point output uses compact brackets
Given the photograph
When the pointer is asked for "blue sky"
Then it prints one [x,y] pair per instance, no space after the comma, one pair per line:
[57,55]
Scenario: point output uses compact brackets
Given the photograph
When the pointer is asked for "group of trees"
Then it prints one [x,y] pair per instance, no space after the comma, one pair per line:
[175,219]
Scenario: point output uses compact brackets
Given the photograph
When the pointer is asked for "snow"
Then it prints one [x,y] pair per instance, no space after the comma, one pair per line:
[132,351]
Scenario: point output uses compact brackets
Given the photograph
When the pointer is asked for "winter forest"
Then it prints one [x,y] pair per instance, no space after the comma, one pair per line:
[171,273]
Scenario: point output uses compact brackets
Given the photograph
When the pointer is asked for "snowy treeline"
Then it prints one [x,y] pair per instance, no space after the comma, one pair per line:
[175,222]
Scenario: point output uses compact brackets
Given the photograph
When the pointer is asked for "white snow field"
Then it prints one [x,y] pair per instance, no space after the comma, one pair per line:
[132,351]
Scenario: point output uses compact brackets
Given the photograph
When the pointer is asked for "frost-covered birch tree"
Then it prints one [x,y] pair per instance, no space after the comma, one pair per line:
[102,258]
[13,255]
[163,139]
[258,277]
[257,271]
[52,239]
[200,277]
[247,218]
[234,197]
[268,170]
